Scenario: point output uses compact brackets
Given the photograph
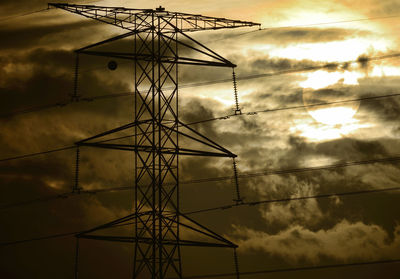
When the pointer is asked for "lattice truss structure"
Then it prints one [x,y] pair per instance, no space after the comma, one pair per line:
[159,225]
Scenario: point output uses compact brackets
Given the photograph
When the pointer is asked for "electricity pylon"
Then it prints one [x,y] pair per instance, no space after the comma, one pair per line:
[157,131]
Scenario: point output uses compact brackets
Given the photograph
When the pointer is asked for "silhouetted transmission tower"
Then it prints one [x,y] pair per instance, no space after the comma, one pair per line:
[159,226]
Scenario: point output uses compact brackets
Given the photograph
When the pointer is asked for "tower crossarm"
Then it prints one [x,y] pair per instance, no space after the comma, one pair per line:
[138,19]
[119,16]
[191,22]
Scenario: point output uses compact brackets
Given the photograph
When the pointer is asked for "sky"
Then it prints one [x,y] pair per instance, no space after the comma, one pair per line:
[37,69]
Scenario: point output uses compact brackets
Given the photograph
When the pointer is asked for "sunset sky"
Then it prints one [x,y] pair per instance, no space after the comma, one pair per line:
[335,38]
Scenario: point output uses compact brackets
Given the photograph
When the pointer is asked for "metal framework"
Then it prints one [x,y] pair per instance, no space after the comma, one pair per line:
[157,221]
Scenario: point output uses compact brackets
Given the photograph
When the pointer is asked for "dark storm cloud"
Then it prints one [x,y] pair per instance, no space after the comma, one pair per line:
[245,131]
[309,35]
[386,7]
[343,149]
[259,62]
[292,35]
[47,87]
[83,212]
[196,109]
[392,7]
[274,97]
[352,148]
[45,76]
[279,64]
[317,217]
[253,62]
[47,35]
[384,110]
[33,83]
[297,151]
[327,94]
[11,8]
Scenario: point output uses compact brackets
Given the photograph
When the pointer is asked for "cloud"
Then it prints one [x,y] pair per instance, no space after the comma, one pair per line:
[374,7]
[293,35]
[13,7]
[47,35]
[295,212]
[345,242]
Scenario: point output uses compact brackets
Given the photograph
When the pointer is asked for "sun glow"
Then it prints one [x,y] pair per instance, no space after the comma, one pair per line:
[331,121]
[322,79]
[333,115]
[316,160]
[384,70]
[345,50]
[316,132]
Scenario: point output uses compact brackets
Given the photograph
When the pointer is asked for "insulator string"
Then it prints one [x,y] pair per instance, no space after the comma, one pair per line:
[235,92]
[238,199]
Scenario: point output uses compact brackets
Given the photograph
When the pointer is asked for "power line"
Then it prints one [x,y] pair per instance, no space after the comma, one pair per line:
[368,98]
[37,153]
[37,11]
[320,196]
[279,270]
[38,200]
[304,25]
[215,118]
[207,120]
[311,24]
[37,239]
[240,176]
[361,192]
[63,235]
[206,83]
[332,65]
[311,68]
[10,243]
[224,274]
[294,269]
[331,22]
[295,170]
[34,109]
[25,14]
[227,206]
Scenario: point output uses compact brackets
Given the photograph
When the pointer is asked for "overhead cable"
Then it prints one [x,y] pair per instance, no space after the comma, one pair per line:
[240,176]
[331,65]
[37,153]
[368,98]
[281,200]
[292,269]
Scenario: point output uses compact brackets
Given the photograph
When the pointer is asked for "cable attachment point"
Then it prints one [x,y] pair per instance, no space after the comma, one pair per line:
[235,92]
[74,96]
[76,188]
[238,199]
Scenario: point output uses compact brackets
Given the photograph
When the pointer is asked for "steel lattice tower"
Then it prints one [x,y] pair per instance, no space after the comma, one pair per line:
[157,220]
